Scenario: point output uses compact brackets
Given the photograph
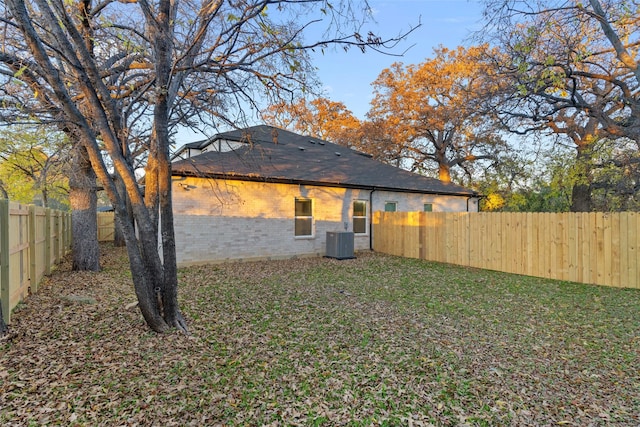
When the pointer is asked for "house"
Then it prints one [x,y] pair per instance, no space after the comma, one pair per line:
[264,192]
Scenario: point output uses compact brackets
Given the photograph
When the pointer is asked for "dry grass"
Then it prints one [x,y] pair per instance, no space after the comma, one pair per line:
[377,340]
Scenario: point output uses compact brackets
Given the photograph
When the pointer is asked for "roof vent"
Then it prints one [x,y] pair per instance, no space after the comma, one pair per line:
[321,142]
[312,141]
[338,153]
[301,148]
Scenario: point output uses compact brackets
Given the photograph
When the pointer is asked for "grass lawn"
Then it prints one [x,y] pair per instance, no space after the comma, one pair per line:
[377,340]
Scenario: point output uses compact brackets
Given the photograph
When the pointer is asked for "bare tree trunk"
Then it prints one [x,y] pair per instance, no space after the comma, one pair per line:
[147,268]
[84,219]
[118,239]
[581,198]
[45,198]
[444,173]
[3,326]
[159,160]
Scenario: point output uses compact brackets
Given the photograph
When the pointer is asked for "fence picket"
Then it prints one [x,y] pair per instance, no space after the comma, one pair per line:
[634,254]
[593,248]
[28,245]
[615,249]
[5,290]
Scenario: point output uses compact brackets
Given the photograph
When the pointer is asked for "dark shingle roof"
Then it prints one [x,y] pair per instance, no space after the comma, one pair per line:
[277,155]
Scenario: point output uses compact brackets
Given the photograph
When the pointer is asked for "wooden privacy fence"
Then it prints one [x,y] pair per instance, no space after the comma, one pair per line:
[32,240]
[106,227]
[593,248]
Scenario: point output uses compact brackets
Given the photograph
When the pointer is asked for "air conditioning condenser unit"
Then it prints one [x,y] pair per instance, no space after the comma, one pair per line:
[340,244]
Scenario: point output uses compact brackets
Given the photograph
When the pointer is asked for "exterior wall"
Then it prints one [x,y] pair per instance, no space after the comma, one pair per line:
[219,220]
[409,202]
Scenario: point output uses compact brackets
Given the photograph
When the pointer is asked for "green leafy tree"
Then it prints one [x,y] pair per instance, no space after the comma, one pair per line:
[574,73]
[34,166]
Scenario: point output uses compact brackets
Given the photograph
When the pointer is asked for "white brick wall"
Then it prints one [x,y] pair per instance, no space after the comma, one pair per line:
[218,220]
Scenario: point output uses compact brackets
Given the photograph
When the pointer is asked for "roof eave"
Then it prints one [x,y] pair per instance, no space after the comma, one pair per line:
[277,180]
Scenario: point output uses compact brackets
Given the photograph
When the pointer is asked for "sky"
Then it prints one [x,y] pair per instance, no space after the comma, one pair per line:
[347,76]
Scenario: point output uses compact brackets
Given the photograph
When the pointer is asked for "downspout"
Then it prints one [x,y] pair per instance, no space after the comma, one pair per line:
[371,218]
[478,197]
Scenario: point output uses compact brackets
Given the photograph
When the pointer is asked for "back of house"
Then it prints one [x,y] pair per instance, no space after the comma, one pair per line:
[267,193]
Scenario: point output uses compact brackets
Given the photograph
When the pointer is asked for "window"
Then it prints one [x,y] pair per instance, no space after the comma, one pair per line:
[360,217]
[390,206]
[304,218]
[428,207]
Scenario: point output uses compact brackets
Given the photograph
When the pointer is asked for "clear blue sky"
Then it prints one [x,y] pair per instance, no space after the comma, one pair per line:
[347,76]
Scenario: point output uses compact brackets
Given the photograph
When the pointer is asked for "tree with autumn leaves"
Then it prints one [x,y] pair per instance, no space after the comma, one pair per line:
[573,73]
[320,117]
[435,111]
[425,116]
[560,83]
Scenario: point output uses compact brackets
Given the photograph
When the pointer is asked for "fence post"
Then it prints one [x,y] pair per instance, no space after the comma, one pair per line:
[55,225]
[61,248]
[47,239]
[68,232]
[4,260]
[60,237]
[61,234]
[33,275]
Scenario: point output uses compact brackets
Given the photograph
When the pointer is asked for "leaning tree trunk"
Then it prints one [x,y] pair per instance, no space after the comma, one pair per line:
[101,117]
[118,239]
[84,217]
[159,194]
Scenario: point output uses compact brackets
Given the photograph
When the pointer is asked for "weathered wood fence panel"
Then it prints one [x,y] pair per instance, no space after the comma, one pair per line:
[593,248]
[19,263]
[32,239]
[106,227]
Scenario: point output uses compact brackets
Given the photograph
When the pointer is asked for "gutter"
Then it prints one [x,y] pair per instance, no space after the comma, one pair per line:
[232,177]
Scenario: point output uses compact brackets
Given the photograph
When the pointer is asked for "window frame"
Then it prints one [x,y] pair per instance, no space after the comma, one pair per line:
[365,217]
[391,203]
[297,217]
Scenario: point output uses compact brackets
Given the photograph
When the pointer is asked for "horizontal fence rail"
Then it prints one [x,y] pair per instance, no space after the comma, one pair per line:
[32,240]
[593,248]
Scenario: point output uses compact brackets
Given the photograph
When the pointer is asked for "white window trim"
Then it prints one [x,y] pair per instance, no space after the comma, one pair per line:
[313,222]
[366,219]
